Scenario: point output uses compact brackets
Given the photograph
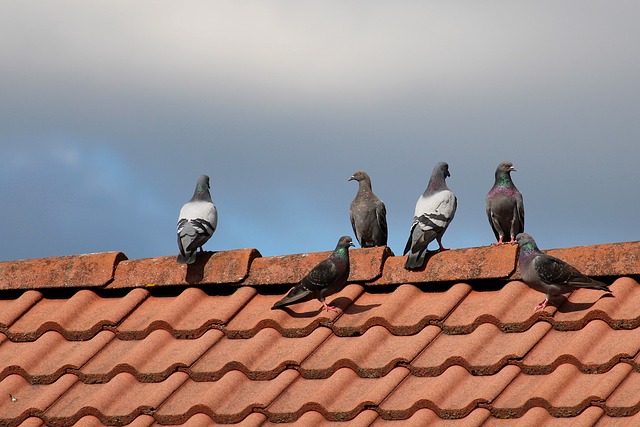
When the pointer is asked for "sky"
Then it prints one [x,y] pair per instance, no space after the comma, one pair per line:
[110,110]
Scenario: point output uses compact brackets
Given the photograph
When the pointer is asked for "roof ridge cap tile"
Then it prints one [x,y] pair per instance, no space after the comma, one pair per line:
[221,267]
[94,270]
[454,265]
[366,265]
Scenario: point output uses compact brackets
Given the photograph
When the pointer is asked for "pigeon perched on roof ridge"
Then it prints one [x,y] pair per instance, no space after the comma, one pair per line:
[197,221]
[504,206]
[326,278]
[434,212]
[368,214]
[550,275]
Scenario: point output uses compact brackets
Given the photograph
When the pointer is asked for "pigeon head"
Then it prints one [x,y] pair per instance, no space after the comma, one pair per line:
[439,174]
[503,173]
[359,176]
[345,242]
[202,189]
[526,243]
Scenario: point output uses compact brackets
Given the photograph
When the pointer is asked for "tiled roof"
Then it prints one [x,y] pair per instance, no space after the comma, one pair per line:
[102,339]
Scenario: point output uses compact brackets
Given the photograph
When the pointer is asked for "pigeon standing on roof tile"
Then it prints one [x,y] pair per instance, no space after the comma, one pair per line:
[433,214]
[504,206]
[197,221]
[548,274]
[368,214]
[326,278]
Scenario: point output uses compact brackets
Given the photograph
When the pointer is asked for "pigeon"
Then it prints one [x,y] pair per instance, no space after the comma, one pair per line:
[197,221]
[505,209]
[368,214]
[434,212]
[548,274]
[324,279]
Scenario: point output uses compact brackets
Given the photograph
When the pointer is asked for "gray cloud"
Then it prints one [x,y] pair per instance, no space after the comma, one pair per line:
[110,110]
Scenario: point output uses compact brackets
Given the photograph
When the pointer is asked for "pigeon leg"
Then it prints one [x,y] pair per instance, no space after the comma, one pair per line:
[498,243]
[542,305]
[327,307]
[442,248]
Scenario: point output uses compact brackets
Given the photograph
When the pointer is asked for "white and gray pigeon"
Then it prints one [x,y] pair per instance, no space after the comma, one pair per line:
[548,274]
[505,209]
[326,278]
[368,214]
[433,214]
[197,221]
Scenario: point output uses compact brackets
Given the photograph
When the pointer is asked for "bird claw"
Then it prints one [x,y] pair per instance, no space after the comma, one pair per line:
[327,307]
[541,306]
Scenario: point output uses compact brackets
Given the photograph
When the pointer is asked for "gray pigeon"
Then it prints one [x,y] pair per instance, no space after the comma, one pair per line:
[548,274]
[368,214]
[197,221]
[324,279]
[505,209]
[434,212]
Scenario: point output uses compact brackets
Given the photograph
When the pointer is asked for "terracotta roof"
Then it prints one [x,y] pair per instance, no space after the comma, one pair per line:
[102,339]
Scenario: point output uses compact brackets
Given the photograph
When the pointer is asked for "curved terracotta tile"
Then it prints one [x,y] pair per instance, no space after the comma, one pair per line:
[49,357]
[215,400]
[625,400]
[12,309]
[621,311]
[372,355]
[537,416]
[454,394]
[262,357]
[120,400]
[22,399]
[427,417]
[579,348]
[457,265]
[485,351]
[152,359]
[225,267]
[82,271]
[404,310]
[188,315]
[509,308]
[78,318]
[202,420]
[565,392]
[340,397]
[297,320]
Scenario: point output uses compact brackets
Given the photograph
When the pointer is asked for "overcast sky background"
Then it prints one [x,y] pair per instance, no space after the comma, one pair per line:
[111,109]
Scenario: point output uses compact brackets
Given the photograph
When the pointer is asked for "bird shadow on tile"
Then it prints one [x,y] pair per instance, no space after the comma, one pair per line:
[570,307]
[195,271]
[301,315]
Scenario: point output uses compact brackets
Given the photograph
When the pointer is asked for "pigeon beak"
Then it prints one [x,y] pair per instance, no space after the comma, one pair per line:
[512,169]
[351,244]
[352,178]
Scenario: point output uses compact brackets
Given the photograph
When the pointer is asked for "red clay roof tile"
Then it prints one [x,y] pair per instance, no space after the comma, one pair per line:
[228,400]
[453,394]
[79,317]
[564,392]
[187,315]
[487,262]
[455,344]
[261,357]
[49,357]
[340,397]
[484,351]
[151,359]
[209,268]
[91,270]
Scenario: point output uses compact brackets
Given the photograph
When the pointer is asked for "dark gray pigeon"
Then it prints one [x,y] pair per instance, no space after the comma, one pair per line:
[434,212]
[197,221]
[324,279]
[548,274]
[368,214]
[505,209]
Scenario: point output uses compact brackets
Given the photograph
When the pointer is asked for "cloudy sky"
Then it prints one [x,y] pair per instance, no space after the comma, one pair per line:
[111,109]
